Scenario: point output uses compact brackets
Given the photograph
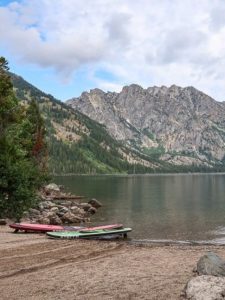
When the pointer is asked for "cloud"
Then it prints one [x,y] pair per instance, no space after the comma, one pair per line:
[180,44]
[216,18]
[147,41]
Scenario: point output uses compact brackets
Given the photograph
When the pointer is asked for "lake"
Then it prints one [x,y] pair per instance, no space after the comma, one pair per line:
[158,207]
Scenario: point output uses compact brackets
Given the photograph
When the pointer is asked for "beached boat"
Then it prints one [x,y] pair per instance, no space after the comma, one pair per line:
[88,234]
[47,228]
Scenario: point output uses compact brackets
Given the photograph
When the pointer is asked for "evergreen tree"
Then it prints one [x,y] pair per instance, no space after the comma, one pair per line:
[21,150]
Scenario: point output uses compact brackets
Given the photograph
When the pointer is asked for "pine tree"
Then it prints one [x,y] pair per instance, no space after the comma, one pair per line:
[21,146]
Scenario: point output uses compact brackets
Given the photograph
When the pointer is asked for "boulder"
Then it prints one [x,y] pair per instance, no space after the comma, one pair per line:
[34,212]
[49,214]
[55,220]
[76,210]
[95,203]
[61,187]
[211,264]
[60,214]
[47,204]
[71,218]
[41,206]
[52,187]
[50,217]
[85,206]
[82,212]
[59,206]
[63,210]
[27,220]
[3,222]
[92,210]
[205,288]
[26,214]
[54,209]
[66,203]
[43,220]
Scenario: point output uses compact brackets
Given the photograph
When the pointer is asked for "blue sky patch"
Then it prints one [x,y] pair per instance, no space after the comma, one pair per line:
[7,2]
[105,75]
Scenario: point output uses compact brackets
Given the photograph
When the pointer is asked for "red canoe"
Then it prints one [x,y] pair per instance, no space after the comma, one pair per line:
[45,227]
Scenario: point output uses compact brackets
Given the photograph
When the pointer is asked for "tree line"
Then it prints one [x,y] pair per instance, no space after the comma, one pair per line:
[23,150]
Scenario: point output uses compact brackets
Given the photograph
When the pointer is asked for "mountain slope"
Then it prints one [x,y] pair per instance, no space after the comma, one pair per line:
[77,144]
[180,126]
[136,134]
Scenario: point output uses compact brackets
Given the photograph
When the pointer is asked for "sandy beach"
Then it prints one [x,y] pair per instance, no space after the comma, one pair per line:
[35,267]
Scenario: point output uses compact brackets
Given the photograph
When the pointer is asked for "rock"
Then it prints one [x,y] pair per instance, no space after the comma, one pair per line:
[95,203]
[47,204]
[55,220]
[76,210]
[211,264]
[34,212]
[52,187]
[85,206]
[59,206]
[61,187]
[26,214]
[48,214]
[205,288]
[152,112]
[41,206]
[54,209]
[43,220]
[66,203]
[82,212]
[3,222]
[27,220]
[50,217]
[60,214]
[63,210]
[71,218]
[92,210]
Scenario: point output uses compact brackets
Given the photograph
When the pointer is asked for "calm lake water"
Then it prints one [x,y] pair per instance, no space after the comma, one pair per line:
[171,207]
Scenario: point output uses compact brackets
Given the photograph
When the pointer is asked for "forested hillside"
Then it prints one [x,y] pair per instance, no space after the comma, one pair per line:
[80,145]
[77,144]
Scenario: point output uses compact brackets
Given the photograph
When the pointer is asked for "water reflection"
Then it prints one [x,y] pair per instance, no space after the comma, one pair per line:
[184,207]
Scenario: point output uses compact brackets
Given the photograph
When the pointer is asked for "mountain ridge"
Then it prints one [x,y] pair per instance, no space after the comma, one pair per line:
[80,145]
[180,120]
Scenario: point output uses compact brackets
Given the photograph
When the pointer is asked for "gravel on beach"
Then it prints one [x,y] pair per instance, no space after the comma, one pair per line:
[35,267]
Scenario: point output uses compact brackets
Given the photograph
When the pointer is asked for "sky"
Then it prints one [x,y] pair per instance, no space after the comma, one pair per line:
[65,47]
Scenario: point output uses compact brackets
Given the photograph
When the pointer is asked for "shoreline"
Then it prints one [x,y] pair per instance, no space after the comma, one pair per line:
[35,267]
[138,175]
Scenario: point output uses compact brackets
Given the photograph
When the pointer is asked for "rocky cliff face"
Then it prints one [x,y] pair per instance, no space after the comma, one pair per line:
[178,125]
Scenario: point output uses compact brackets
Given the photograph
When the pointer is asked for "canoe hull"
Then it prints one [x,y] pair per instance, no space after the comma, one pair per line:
[90,234]
[48,228]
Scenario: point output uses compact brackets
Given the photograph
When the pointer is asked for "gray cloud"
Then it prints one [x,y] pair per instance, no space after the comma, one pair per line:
[217,16]
[179,44]
[137,41]
[118,28]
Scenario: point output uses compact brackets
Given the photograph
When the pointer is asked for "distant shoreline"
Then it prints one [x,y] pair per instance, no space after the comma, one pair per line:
[139,175]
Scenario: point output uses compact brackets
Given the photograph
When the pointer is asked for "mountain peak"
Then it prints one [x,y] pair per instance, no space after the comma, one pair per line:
[97,91]
[175,118]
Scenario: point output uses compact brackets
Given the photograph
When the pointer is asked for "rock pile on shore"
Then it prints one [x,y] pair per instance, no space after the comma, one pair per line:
[57,207]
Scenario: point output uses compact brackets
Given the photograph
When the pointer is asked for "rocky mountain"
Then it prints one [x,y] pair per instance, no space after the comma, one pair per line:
[78,144]
[171,125]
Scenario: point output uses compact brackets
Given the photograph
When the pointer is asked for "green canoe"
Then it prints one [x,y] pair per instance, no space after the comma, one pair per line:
[89,234]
